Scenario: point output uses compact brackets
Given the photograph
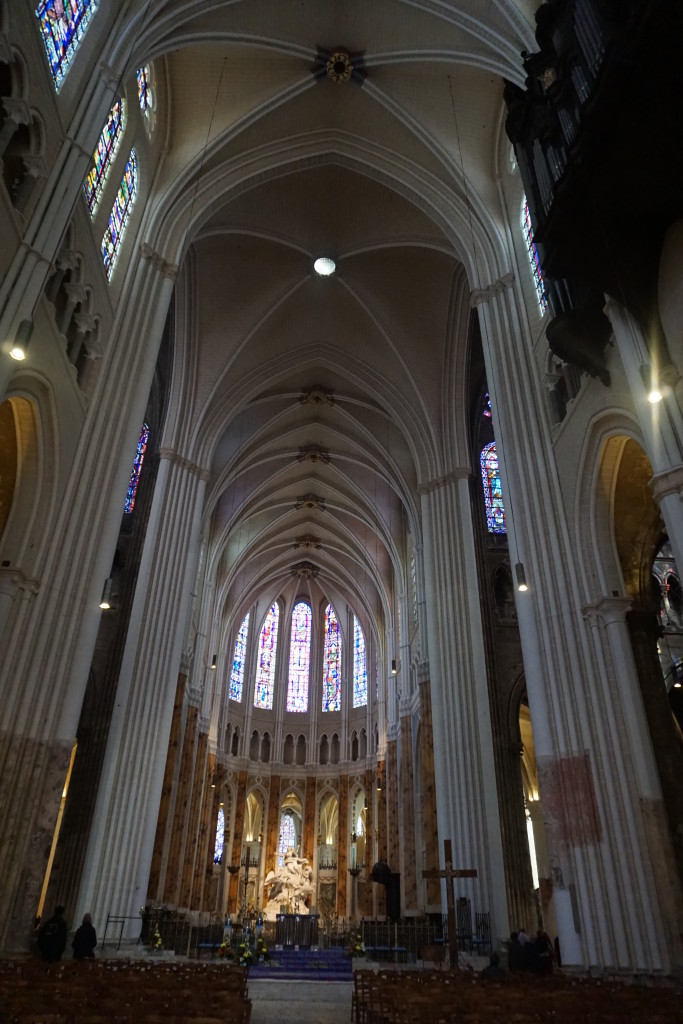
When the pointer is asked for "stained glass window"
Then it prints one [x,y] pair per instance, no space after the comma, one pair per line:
[287,836]
[493,494]
[237,674]
[118,218]
[143,77]
[360,826]
[360,671]
[63,23]
[413,587]
[267,650]
[487,411]
[534,259]
[299,658]
[129,503]
[332,655]
[107,145]
[220,837]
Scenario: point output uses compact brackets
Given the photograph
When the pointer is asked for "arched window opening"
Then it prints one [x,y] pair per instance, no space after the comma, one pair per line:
[228,736]
[360,670]
[62,26]
[486,411]
[299,658]
[118,218]
[503,593]
[534,259]
[142,76]
[235,742]
[107,145]
[363,753]
[238,661]
[324,749]
[354,746]
[254,746]
[129,503]
[301,750]
[334,753]
[265,748]
[493,493]
[332,662]
[220,837]
[267,650]
[288,752]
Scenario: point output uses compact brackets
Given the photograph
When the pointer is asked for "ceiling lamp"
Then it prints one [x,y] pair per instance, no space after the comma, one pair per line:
[21,340]
[324,266]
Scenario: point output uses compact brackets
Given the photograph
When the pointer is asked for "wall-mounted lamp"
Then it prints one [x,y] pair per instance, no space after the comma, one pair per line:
[213,782]
[105,601]
[394,670]
[650,383]
[21,340]
[214,661]
[521,577]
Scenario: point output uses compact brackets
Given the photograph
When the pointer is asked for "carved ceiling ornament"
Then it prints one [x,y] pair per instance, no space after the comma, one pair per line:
[339,66]
[317,396]
[310,501]
[307,541]
[305,570]
[313,453]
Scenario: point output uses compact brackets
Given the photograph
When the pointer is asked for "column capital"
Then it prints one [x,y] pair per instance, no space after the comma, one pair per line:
[12,579]
[480,295]
[158,261]
[459,473]
[609,609]
[670,481]
[179,460]
[17,110]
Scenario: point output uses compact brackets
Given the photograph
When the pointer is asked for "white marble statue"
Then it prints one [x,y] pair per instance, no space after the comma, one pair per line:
[290,885]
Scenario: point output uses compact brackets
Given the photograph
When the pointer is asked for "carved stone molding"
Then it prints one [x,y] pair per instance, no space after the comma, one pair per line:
[13,579]
[305,570]
[317,396]
[194,696]
[313,453]
[183,463]
[461,473]
[609,609]
[310,501]
[668,482]
[479,295]
[159,262]
[307,541]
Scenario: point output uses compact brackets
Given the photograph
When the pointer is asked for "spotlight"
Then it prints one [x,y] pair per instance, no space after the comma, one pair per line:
[652,388]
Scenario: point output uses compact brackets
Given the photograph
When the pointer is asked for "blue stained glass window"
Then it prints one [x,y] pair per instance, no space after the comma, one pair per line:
[107,145]
[487,411]
[118,218]
[267,650]
[287,836]
[237,674]
[534,259]
[129,503]
[493,493]
[142,76]
[63,23]
[299,658]
[332,662]
[360,670]
[220,837]
[360,826]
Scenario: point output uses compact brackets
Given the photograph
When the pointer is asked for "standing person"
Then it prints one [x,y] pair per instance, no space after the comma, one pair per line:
[84,940]
[52,937]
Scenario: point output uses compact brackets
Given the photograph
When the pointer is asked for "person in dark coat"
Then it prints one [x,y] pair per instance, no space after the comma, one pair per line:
[515,953]
[494,972]
[84,940]
[52,937]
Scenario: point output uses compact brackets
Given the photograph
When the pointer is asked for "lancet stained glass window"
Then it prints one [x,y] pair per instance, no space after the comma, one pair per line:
[63,23]
[493,493]
[534,259]
[129,503]
[143,76]
[299,658]
[287,836]
[332,655]
[220,837]
[118,218]
[237,674]
[267,650]
[487,411]
[107,145]
[360,669]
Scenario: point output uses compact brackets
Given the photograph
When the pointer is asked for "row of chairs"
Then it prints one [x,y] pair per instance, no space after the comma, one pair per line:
[447,997]
[122,992]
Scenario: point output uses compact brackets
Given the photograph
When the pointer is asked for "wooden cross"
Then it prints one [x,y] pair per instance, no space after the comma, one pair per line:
[449,873]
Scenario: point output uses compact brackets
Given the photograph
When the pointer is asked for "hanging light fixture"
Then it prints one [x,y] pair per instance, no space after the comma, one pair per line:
[21,340]
[214,661]
[105,601]
[394,670]
[521,577]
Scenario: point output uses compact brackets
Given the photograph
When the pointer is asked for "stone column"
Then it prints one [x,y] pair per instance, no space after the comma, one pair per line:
[466,793]
[367,909]
[381,797]
[406,788]
[206,835]
[194,816]
[430,828]
[391,797]
[309,819]
[181,807]
[273,827]
[342,846]
[158,868]
[132,775]
[236,853]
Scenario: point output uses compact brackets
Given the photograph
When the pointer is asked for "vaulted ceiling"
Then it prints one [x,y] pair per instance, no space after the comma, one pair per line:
[322,405]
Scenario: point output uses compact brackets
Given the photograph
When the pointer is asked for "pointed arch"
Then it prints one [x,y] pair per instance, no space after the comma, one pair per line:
[360,666]
[143,440]
[120,213]
[493,493]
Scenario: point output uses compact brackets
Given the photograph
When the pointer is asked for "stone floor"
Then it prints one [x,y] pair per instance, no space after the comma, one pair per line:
[300,1002]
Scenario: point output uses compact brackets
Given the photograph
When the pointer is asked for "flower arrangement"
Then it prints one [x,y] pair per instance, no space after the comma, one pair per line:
[356,945]
[156,943]
[246,957]
[224,950]
[261,951]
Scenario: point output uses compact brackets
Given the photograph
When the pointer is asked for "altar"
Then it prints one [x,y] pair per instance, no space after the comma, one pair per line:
[296,930]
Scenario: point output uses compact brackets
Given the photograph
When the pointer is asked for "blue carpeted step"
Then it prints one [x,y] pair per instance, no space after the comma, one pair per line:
[324,964]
